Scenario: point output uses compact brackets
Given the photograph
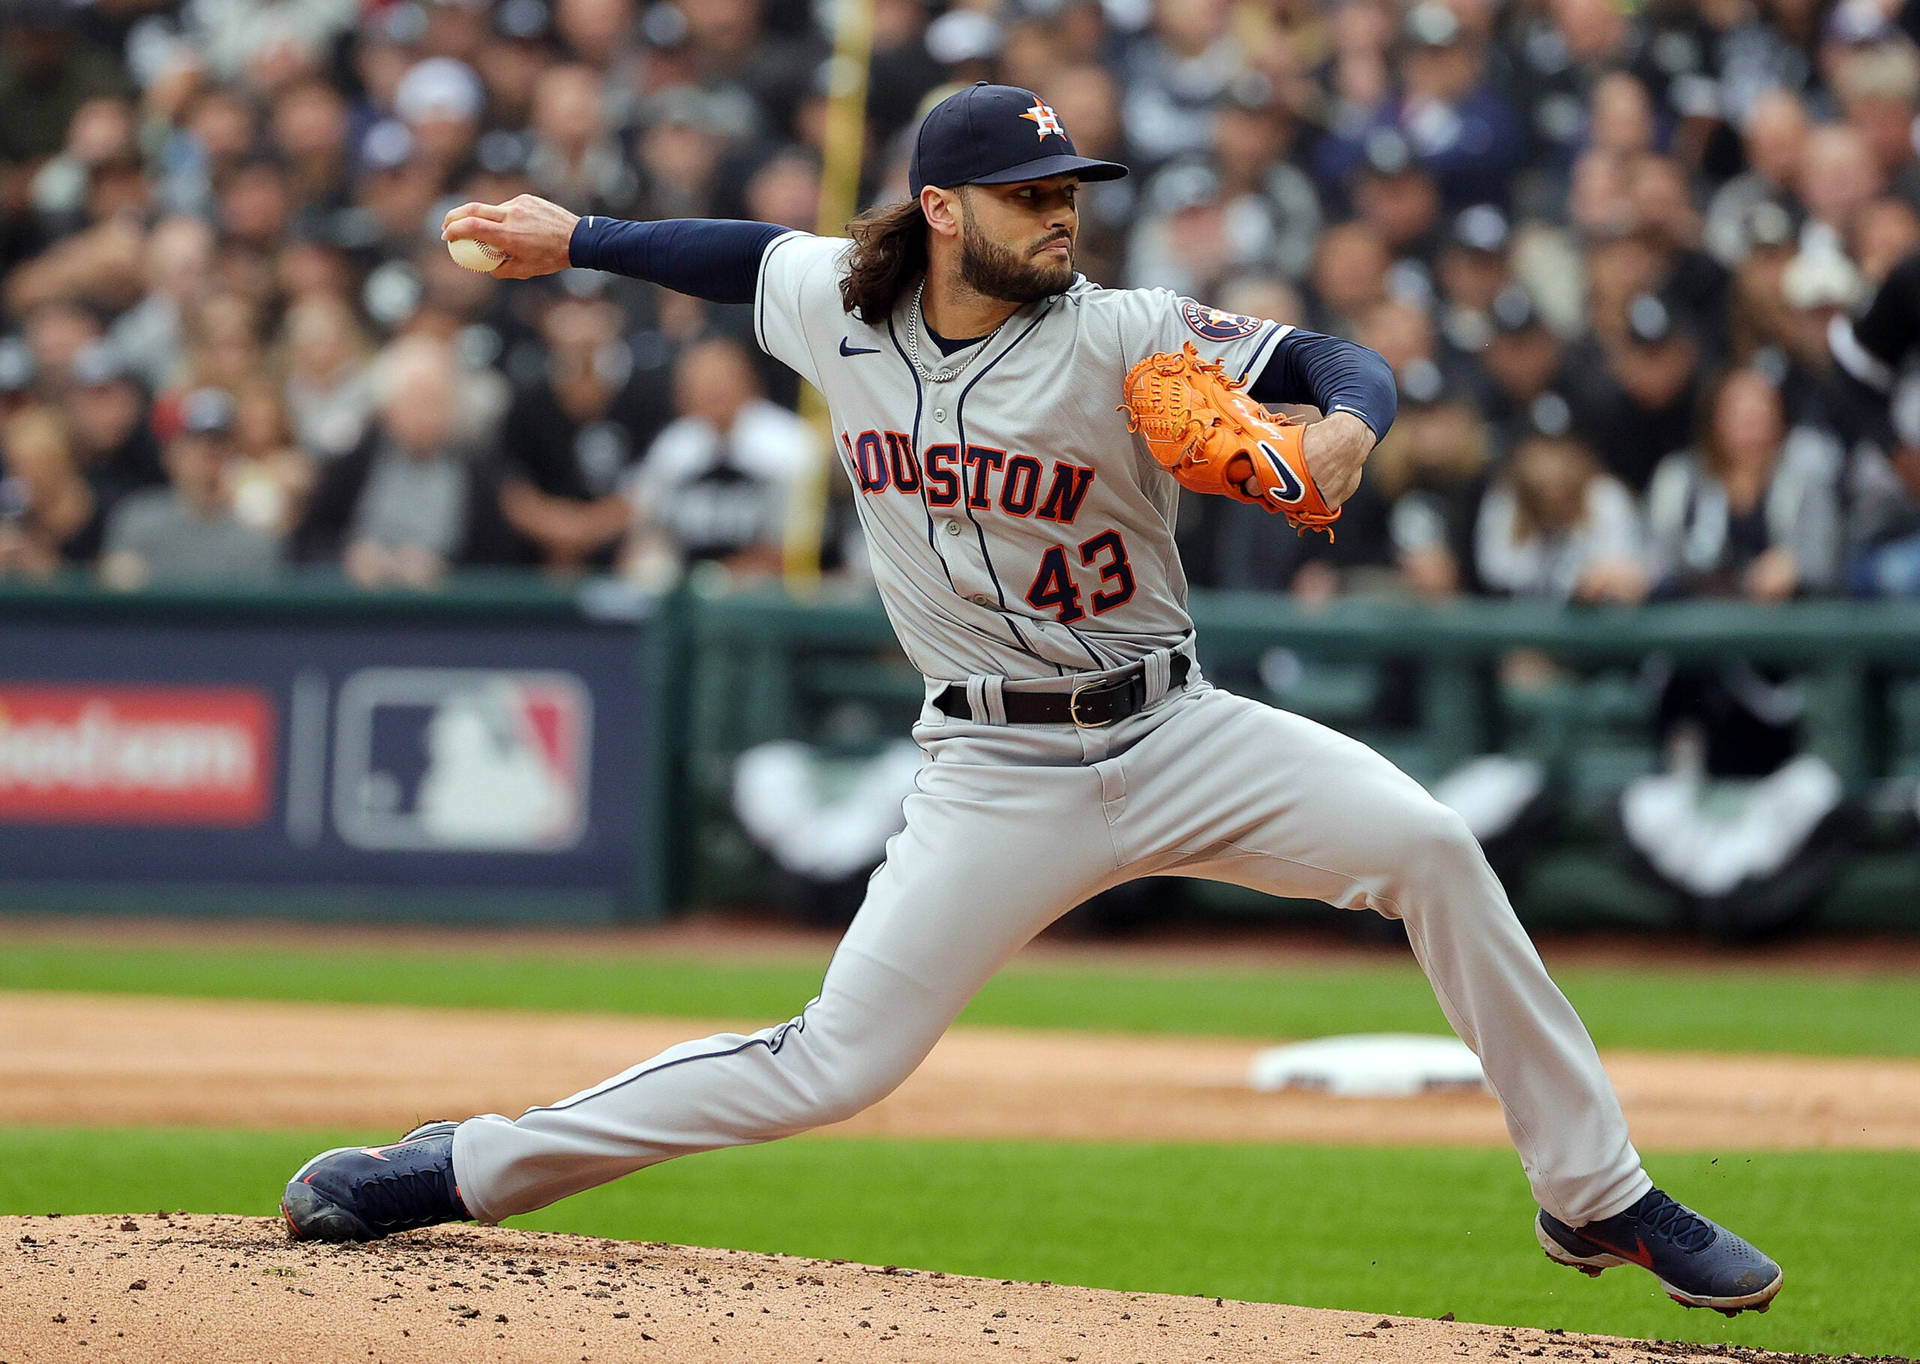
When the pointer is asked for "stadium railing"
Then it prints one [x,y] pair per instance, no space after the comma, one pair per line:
[1431,686]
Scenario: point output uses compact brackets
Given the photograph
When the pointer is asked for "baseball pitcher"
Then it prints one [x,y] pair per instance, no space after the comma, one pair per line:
[1016,438]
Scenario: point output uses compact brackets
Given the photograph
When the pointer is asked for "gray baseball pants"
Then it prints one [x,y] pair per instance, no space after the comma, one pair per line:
[1013,825]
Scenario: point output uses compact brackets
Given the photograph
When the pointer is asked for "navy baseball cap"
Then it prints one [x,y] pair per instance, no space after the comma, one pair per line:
[996,135]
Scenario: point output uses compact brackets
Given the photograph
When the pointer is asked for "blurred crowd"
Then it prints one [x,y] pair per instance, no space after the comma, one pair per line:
[1600,243]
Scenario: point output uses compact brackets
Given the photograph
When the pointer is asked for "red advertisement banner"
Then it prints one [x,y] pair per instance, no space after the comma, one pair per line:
[135,755]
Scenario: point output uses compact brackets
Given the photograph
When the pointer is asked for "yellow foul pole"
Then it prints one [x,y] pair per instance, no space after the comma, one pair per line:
[846,137]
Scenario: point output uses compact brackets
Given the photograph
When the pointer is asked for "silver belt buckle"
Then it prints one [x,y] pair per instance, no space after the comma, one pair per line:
[1073,707]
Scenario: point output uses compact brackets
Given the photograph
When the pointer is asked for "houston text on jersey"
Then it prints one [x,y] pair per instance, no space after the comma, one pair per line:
[1020,485]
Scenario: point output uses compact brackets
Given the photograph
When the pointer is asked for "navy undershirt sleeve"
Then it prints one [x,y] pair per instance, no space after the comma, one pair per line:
[717,259]
[1330,373]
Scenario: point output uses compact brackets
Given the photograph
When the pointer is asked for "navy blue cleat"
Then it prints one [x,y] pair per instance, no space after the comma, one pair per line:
[359,1193]
[1698,1263]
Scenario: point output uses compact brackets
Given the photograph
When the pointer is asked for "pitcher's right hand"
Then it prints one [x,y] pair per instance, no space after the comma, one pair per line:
[535,233]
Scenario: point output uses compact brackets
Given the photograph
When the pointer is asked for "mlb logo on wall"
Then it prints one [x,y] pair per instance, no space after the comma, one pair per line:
[79,753]
[461,759]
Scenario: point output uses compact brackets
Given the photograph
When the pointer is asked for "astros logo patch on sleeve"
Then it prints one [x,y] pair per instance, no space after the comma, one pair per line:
[1215,325]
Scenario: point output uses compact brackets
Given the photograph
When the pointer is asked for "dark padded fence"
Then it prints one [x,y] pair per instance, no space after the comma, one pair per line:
[1429,686]
[493,750]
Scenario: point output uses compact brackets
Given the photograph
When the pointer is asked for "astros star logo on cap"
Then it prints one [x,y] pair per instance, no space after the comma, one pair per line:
[1044,119]
[978,136]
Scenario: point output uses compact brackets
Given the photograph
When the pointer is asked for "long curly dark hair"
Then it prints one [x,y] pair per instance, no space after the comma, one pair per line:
[889,253]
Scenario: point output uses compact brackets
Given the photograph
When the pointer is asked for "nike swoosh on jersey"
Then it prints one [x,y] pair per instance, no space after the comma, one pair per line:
[846,349]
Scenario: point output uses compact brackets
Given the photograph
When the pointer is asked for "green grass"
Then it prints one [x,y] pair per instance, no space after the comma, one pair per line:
[1697,1009]
[1413,1231]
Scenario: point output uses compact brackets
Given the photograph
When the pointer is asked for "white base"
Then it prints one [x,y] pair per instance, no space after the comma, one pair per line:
[1369,1066]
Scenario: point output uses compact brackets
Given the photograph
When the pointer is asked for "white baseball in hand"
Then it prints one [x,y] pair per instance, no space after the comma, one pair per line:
[471,253]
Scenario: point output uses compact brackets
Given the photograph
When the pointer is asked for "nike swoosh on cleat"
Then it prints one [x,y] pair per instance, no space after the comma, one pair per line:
[848,349]
[379,1152]
[1640,1255]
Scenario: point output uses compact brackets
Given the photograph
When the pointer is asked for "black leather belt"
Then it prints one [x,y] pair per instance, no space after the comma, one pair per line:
[1093,706]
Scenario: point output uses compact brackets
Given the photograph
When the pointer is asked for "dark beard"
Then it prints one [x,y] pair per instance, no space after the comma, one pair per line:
[996,271]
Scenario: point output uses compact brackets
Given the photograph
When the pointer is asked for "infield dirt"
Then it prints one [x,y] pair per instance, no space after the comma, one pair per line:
[152,1287]
[202,1288]
[264,1064]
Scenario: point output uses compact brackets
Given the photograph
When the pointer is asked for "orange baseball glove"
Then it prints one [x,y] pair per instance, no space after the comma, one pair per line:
[1215,439]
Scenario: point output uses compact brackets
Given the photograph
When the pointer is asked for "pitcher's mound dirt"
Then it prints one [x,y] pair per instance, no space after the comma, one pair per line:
[192,1288]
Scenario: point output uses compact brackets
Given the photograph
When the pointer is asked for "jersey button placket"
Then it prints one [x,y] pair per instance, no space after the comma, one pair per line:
[953,527]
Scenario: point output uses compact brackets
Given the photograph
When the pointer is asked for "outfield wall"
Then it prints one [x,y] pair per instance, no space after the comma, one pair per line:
[511,748]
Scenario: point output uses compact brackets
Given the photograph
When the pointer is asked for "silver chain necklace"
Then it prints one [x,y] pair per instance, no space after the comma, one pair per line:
[951,372]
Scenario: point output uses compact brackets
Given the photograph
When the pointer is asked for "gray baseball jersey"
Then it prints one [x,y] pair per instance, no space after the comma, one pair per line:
[1022,538]
[1016,528]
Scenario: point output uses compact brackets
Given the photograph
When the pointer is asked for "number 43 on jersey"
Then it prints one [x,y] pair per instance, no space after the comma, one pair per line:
[1055,588]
